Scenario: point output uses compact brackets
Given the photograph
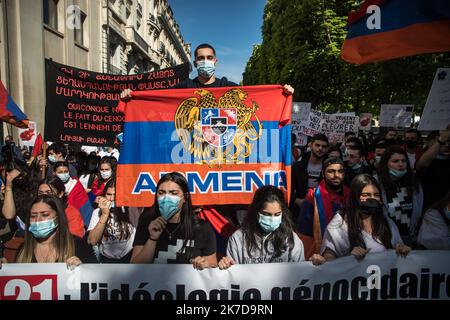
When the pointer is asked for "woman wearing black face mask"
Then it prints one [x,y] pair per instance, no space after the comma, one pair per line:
[361,227]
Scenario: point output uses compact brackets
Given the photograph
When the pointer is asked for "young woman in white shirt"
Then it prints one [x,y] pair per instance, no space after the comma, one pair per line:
[361,227]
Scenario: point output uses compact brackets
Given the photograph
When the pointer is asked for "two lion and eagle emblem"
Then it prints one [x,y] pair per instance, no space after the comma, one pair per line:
[218,132]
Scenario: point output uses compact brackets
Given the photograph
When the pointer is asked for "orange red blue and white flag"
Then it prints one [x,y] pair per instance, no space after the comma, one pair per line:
[388,29]
[226,141]
[9,111]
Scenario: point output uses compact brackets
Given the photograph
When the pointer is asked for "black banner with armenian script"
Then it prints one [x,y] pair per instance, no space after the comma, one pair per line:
[81,105]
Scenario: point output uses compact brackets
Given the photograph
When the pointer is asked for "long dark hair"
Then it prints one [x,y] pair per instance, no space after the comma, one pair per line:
[120,217]
[112,163]
[23,186]
[57,186]
[61,164]
[389,185]
[189,222]
[63,241]
[282,238]
[352,214]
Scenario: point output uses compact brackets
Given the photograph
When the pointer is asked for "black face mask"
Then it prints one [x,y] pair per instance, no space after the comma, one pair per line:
[411,144]
[371,207]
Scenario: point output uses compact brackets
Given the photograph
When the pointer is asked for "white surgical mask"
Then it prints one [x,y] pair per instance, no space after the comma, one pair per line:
[106,174]
[52,158]
[64,177]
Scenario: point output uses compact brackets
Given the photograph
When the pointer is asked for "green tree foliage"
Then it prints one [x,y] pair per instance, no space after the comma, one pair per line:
[301,46]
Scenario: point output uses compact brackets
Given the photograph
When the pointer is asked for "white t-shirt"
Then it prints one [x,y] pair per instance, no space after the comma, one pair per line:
[314,174]
[111,246]
[412,159]
[336,238]
[434,233]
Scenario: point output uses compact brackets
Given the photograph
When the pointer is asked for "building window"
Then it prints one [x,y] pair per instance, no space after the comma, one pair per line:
[114,62]
[79,32]
[51,13]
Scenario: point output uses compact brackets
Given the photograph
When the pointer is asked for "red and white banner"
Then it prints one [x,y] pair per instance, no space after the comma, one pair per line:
[379,276]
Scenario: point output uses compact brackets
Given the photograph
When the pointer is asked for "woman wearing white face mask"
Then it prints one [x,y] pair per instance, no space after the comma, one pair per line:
[267,233]
[74,190]
[170,232]
[106,172]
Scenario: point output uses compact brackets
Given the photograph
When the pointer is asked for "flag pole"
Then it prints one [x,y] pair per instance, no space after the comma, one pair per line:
[44,156]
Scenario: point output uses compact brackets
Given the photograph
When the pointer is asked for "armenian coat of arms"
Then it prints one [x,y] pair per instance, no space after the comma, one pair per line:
[218,132]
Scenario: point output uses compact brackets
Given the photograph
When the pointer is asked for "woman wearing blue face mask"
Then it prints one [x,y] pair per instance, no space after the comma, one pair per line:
[401,193]
[54,186]
[110,228]
[170,232]
[434,232]
[48,239]
[267,233]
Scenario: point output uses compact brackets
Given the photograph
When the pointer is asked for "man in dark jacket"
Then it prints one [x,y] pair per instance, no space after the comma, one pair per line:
[307,173]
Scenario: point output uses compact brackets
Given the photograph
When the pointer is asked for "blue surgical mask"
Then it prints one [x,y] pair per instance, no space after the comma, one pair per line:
[206,68]
[52,158]
[269,223]
[168,205]
[357,166]
[397,173]
[113,204]
[64,177]
[42,229]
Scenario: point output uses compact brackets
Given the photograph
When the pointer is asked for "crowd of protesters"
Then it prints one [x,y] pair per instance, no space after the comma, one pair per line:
[355,198]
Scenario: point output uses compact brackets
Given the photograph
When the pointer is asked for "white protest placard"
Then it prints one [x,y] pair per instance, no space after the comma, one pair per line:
[295,123]
[396,115]
[365,121]
[334,126]
[312,125]
[436,114]
[301,139]
[27,137]
[300,114]
[303,109]
[345,114]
